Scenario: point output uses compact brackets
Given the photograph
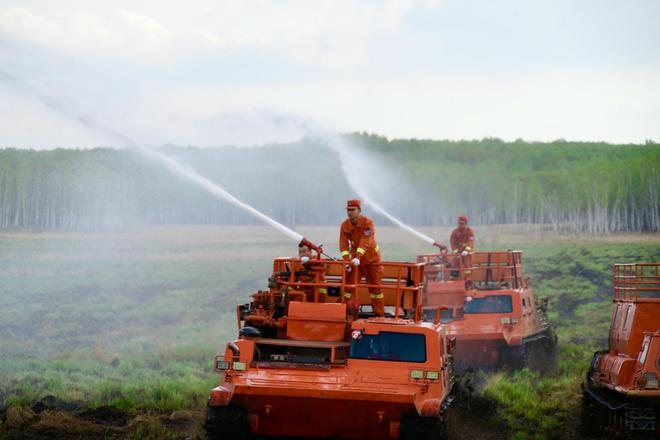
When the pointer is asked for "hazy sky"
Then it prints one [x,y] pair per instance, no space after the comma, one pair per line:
[219,72]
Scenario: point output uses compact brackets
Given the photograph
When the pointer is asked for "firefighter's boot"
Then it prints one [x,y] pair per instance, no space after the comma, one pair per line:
[378,305]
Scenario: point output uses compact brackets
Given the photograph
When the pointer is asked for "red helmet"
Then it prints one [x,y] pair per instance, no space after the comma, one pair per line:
[355,203]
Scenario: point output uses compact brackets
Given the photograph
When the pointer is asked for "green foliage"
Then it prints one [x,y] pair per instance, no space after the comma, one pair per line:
[571,186]
[574,186]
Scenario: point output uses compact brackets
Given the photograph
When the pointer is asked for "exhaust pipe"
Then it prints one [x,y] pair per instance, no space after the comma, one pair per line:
[234,349]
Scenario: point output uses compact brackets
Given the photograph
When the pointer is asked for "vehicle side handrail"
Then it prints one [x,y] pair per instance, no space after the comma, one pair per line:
[402,282]
[636,280]
[502,267]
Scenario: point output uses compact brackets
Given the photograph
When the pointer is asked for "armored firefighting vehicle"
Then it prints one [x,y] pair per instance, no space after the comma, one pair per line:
[302,367]
[621,396]
[490,310]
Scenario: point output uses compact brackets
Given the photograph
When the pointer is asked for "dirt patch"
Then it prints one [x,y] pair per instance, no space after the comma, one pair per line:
[105,415]
[52,402]
[63,424]
[106,422]
[465,422]
[472,416]
[18,417]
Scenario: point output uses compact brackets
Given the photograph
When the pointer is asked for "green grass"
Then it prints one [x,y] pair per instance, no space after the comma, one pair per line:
[164,380]
[133,318]
[540,407]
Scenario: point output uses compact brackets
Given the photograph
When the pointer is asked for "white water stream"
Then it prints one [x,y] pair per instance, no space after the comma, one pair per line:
[169,163]
[358,177]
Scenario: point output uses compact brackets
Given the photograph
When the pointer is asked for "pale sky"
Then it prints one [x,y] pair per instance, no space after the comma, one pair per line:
[229,72]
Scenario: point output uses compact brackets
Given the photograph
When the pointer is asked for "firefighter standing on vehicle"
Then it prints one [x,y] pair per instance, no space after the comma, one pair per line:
[462,244]
[357,244]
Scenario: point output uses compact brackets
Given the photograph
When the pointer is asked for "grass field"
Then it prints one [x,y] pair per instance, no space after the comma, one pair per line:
[133,318]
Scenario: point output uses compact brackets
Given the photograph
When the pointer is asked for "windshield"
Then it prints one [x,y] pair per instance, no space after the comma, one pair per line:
[390,346]
[490,304]
[429,314]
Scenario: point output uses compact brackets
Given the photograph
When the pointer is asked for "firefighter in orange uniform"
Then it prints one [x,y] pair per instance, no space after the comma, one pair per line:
[357,244]
[315,273]
[462,243]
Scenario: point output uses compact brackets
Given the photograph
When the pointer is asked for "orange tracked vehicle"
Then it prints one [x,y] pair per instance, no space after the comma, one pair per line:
[490,311]
[622,397]
[303,368]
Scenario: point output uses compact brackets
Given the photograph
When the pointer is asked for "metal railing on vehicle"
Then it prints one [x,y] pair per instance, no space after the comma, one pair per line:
[636,280]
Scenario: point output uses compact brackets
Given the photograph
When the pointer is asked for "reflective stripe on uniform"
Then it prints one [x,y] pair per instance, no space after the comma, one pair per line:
[377,296]
[360,251]
[468,248]
[377,248]
[344,253]
[347,295]
[467,272]
[323,291]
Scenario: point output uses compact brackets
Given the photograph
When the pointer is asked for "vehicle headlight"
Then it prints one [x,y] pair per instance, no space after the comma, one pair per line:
[505,321]
[221,364]
[240,366]
[651,381]
[433,375]
[417,374]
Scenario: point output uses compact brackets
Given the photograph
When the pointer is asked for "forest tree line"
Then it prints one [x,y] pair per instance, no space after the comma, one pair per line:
[592,188]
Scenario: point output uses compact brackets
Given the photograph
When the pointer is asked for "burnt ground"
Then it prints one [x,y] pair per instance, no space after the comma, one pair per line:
[469,417]
[47,419]
[472,416]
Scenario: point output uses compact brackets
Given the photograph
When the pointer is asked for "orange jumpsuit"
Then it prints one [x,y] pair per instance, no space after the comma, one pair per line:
[359,241]
[463,241]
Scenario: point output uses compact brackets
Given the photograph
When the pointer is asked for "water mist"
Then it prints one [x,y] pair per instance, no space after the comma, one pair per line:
[169,163]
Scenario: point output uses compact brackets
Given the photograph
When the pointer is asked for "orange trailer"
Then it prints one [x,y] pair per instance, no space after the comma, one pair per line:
[622,397]
[490,310]
[303,368]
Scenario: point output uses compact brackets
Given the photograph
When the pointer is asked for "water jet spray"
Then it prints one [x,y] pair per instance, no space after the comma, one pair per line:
[169,163]
[350,168]
[352,171]
[350,165]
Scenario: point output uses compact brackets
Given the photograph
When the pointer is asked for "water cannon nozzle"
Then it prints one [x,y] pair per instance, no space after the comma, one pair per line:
[312,246]
[442,247]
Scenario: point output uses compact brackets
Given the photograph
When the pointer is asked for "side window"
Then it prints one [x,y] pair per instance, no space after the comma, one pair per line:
[617,317]
[645,351]
[626,322]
